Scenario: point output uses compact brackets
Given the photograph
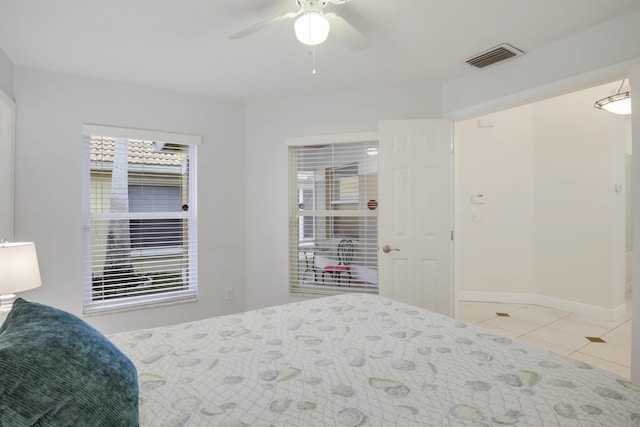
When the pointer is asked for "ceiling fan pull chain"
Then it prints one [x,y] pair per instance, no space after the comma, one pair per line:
[313,55]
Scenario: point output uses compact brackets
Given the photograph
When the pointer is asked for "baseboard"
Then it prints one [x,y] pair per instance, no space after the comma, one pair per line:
[612,314]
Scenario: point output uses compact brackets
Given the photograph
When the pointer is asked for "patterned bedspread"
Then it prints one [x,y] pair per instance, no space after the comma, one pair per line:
[363,360]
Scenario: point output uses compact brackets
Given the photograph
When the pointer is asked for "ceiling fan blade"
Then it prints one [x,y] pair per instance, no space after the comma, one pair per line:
[274,8]
[346,33]
[260,25]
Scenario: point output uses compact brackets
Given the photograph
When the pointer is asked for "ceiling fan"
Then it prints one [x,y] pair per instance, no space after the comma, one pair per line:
[312,25]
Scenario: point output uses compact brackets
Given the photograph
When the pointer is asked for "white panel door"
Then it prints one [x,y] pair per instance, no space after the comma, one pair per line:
[415,193]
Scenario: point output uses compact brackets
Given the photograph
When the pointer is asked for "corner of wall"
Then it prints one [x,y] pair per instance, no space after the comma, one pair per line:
[7,73]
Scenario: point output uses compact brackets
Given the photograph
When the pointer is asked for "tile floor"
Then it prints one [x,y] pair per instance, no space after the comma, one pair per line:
[559,331]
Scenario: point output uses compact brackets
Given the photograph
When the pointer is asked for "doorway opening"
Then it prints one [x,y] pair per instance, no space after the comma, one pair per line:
[543,225]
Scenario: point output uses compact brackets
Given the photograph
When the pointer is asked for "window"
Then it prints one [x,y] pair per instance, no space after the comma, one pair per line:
[333,236]
[140,236]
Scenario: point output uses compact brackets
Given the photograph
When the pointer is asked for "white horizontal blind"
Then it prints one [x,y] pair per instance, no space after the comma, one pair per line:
[333,218]
[140,223]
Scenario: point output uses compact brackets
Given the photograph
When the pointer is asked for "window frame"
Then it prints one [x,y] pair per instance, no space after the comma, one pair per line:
[295,288]
[132,302]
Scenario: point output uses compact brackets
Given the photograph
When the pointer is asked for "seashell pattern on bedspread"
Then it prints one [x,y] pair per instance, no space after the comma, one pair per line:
[359,359]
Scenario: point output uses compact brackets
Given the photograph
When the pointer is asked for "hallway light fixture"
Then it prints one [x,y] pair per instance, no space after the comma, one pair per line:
[618,103]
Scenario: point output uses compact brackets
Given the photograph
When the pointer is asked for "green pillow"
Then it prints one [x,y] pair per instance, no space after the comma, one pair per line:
[56,370]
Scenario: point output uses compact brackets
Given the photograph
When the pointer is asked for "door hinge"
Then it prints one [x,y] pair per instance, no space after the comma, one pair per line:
[452,235]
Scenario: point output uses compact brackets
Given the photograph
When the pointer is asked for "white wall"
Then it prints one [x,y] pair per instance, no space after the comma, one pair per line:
[495,241]
[552,230]
[51,109]
[269,124]
[580,219]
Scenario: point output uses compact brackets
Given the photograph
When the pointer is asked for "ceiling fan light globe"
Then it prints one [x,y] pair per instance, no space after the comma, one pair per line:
[312,28]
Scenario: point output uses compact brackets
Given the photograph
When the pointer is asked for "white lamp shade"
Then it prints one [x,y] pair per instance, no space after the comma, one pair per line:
[312,28]
[19,269]
[621,106]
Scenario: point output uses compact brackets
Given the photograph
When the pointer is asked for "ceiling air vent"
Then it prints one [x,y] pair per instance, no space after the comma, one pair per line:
[495,54]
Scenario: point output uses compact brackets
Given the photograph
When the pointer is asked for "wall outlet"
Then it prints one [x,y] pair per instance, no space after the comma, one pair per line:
[228,294]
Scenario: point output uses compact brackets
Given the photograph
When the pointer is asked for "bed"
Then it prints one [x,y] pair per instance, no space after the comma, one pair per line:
[359,359]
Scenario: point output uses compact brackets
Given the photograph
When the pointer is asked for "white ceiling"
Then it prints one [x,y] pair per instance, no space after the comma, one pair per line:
[183,44]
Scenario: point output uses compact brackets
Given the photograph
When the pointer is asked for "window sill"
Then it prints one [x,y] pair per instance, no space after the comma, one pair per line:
[316,291]
[122,307]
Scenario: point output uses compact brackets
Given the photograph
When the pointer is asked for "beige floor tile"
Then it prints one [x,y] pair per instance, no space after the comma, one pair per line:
[610,352]
[551,311]
[474,313]
[546,345]
[493,307]
[502,332]
[579,327]
[466,304]
[604,324]
[620,336]
[517,326]
[539,315]
[564,339]
[469,318]
[558,331]
[622,371]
